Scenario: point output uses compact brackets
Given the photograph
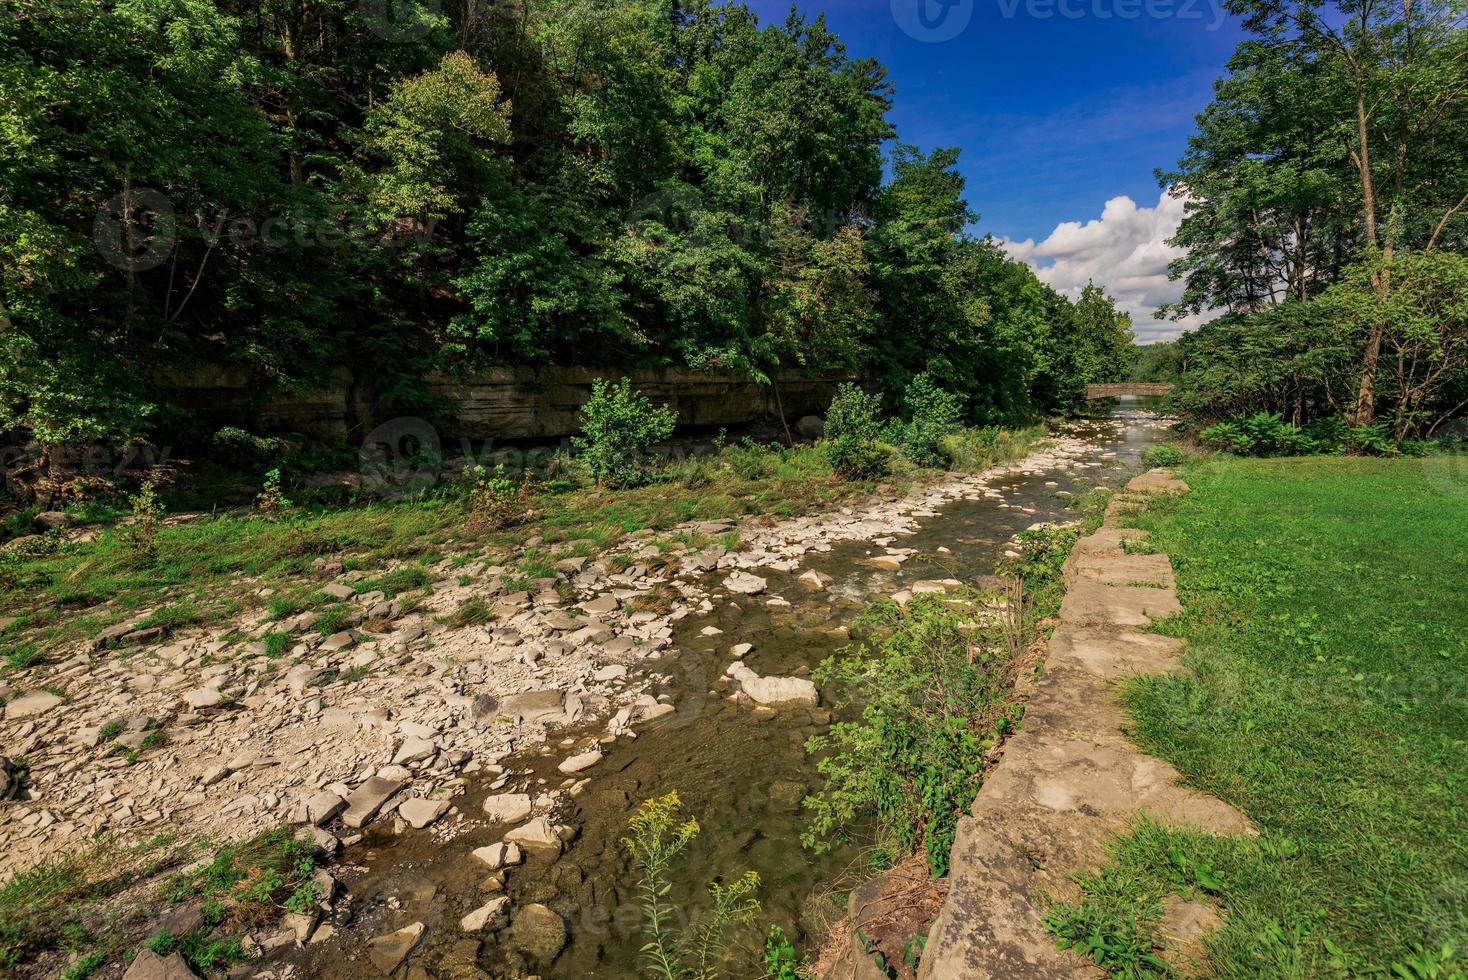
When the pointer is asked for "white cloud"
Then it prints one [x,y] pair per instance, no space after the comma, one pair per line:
[1126,252]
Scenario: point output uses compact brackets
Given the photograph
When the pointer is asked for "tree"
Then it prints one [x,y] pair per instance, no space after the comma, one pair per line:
[1102,336]
[1341,134]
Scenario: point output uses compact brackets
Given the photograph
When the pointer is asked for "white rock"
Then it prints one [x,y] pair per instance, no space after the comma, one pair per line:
[420,812]
[577,763]
[29,705]
[745,583]
[492,915]
[507,807]
[774,690]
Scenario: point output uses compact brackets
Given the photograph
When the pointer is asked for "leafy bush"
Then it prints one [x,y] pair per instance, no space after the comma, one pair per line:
[750,460]
[272,500]
[655,839]
[1267,434]
[1166,455]
[618,428]
[853,430]
[235,443]
[932,414]
[936,695]
[496,501]
[147,518]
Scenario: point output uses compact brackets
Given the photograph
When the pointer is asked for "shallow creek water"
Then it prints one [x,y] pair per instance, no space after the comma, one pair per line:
[741,773]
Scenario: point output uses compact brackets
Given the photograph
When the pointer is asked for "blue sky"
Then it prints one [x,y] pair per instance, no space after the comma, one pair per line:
[1056,116]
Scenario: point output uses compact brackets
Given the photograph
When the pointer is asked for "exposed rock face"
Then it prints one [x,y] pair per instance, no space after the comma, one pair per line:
[537,835]
[420,813]
[774,690]
[29,705]
[578,763]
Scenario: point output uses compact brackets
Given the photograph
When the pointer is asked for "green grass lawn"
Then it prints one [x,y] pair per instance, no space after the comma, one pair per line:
[1327,616]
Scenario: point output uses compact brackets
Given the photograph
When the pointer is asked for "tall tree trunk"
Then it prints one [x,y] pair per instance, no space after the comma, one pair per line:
[1366,390]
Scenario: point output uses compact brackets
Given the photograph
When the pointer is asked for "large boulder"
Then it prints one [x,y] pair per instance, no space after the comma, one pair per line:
[811,426]
[774,690]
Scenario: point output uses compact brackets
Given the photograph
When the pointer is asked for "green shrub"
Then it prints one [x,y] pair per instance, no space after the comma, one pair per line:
[853,430]
[1267,434]
[750,460]
[272,501]
[618,428]
[496,501]
[935,691]
[1166,455]
[932,414]
[147,518]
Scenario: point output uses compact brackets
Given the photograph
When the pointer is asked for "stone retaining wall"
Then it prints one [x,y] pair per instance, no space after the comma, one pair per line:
[502,403]
[1070,778]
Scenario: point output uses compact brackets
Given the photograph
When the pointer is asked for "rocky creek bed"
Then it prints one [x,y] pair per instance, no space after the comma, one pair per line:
[685,669]
[740,766]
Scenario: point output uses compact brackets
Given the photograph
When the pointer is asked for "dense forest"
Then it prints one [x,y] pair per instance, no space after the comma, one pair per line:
[1327,211]
[287,186]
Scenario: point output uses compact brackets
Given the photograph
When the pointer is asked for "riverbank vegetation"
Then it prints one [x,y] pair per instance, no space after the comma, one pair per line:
[196,188]
[1325,698]
[162,573]
[1326,217]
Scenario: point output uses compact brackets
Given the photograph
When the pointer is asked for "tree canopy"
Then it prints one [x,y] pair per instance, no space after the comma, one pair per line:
[287,187]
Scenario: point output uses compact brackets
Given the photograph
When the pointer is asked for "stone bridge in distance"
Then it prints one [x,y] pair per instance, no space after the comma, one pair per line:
[1117,390]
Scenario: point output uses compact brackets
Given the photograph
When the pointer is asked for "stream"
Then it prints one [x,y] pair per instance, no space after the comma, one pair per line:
[740,772]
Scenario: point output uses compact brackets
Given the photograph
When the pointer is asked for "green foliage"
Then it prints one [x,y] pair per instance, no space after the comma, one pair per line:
[1102,337]
[782,962]
[853,424]
[495,500]
[1163,454]
[84,967]
[656,838]
[271,500]
[147,515]
[1121,946]
[474,611]
[1267,434]
[618,427]
[932,414]
[1040,564]
[234,442]
[935,697]
[689,188]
